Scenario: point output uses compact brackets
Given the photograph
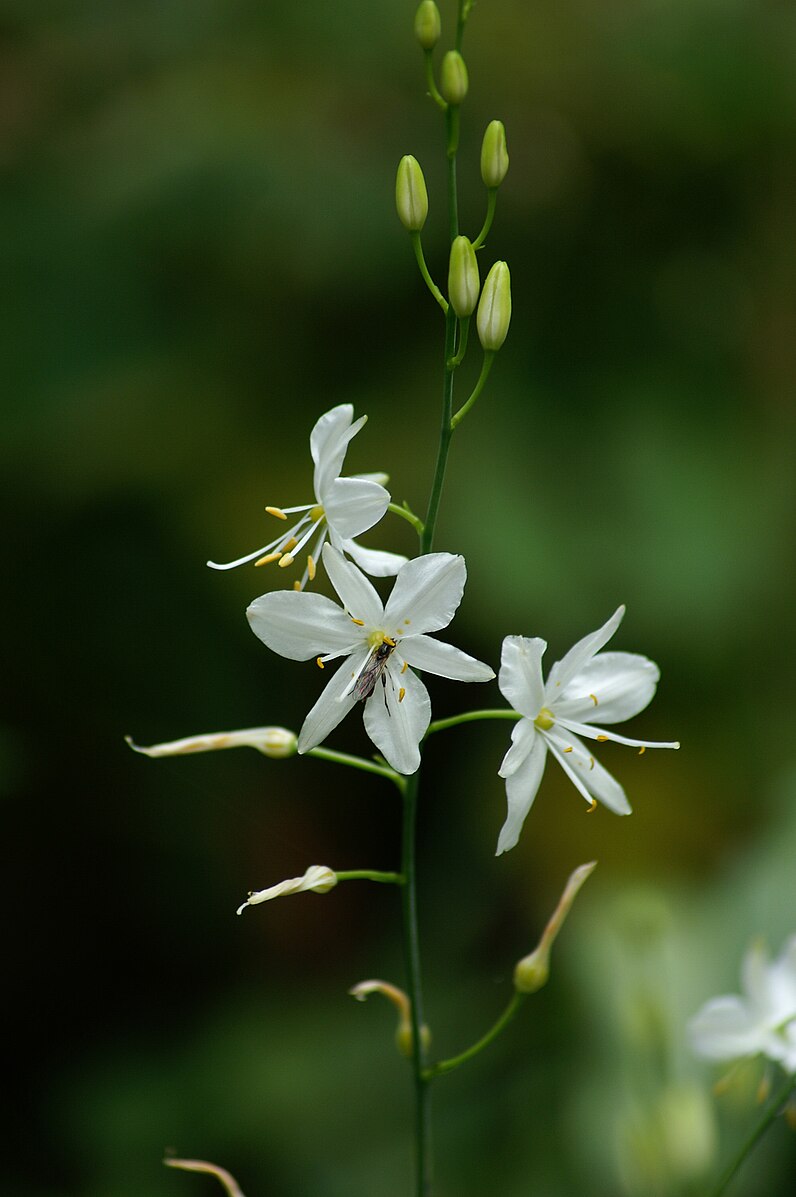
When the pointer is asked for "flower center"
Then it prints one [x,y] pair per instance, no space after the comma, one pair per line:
[317,513]
[378,637]
[544,720]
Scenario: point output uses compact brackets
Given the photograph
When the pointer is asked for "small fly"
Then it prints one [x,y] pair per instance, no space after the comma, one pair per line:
[373,670]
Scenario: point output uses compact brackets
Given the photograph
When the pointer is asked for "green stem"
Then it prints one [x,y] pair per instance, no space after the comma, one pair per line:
[433,91]
[446,432]
[421,262]
[489,357]
[464,328]
[491,204]
[358,762]
[407,515]
[758,1132]
[469,717]
[455,1061]
[370,875]
[413,985]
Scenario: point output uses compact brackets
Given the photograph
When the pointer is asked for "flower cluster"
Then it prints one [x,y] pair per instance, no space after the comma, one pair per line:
[762,1022]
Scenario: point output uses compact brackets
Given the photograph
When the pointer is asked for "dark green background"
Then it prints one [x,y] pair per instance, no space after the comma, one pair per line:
[200,257]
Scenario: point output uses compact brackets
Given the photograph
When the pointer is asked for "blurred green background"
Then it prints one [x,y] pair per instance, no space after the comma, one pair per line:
[200,257]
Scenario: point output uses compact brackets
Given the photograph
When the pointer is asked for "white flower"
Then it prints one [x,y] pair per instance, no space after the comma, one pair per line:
[762,1021]
[276,742]
[378,643]
[342,509]
[584,685]
[317,877]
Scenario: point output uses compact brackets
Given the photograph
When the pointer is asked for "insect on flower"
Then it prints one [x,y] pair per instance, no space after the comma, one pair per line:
[374,669]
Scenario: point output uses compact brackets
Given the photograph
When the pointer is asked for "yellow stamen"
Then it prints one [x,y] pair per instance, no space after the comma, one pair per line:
[568,749]
[319,663]
[290,545]
[404,667]
[359,622]
[277,511]
[401,693]
[391,643]
[407,621]
[268,558]
[297,585]
[592,807]
[286,561]
[593,697]
[642,750]
[310,568]
[591,762]
[602,739]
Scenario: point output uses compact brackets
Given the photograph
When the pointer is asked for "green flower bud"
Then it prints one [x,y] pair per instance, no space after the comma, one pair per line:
[427,24]
[494,310]
[411,197]
[494,155]
[464,281]
[532,971]
[453,77]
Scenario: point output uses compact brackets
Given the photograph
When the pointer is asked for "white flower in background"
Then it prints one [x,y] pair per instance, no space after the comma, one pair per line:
[378,644]
[317,877]
[763,1021]
[342,508]
[584,686]
[276,742]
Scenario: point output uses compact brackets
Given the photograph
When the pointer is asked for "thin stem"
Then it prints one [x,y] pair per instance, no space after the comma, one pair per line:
[464,328]
[370,875]
[433,91]
[358,762]
[469,717]
[444,1066]
[452,147]
[491,204]
[489,357]
[407,515]
[757,1134]
[446,432]
[413,985]
[421,262]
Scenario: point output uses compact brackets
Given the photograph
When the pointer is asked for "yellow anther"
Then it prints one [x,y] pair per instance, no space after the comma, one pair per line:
[591,762]
[297,585]
[359,622]
[592,806]
[286,561]
[319,662]
[277,511]
[391,643]
[268,558]
[310,568]
[290,545]
[642,750]
[602,739]
[404,667]
[407,621]
[401,694]
[568,749]
[545,719]
[593,697]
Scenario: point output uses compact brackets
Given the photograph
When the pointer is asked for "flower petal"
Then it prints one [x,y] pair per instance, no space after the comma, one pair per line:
[356,593]
[521,789]
[724,1030]
[520,678]
[523,736]
[586,773]
[426,594]
[300,626]
[622,683]
[353,505]
[374,561]
[330,709]
[329,441]
[444,660]
[599,733]
[397,727]
[574,661]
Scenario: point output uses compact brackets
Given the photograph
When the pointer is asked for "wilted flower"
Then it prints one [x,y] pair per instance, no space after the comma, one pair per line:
[317,877]
[343,508]
[378,642]
[583,686]
[762,1022]
[276,742]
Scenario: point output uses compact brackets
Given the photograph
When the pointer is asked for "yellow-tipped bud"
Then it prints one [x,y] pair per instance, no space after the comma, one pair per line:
[453,80]
[403,1032]
[428,25]
[464,282]
[532,971]
[494,310]
[494,155]
[411,197]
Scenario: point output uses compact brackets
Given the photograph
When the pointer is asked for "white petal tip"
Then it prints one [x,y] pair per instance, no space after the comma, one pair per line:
[136,747]
[241,909]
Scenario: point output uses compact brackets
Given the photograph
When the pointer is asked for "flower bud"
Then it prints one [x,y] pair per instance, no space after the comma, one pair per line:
[319,878]
[494,310]
[399,999]
[276,742]
[453,81]
[428,25]
[463,279]
[494,155]
[532,971]
[411,197]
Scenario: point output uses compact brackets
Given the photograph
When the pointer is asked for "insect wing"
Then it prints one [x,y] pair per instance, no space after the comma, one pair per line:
[373,670]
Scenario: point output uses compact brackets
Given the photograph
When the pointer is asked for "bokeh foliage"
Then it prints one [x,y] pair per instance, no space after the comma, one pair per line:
[200,256]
